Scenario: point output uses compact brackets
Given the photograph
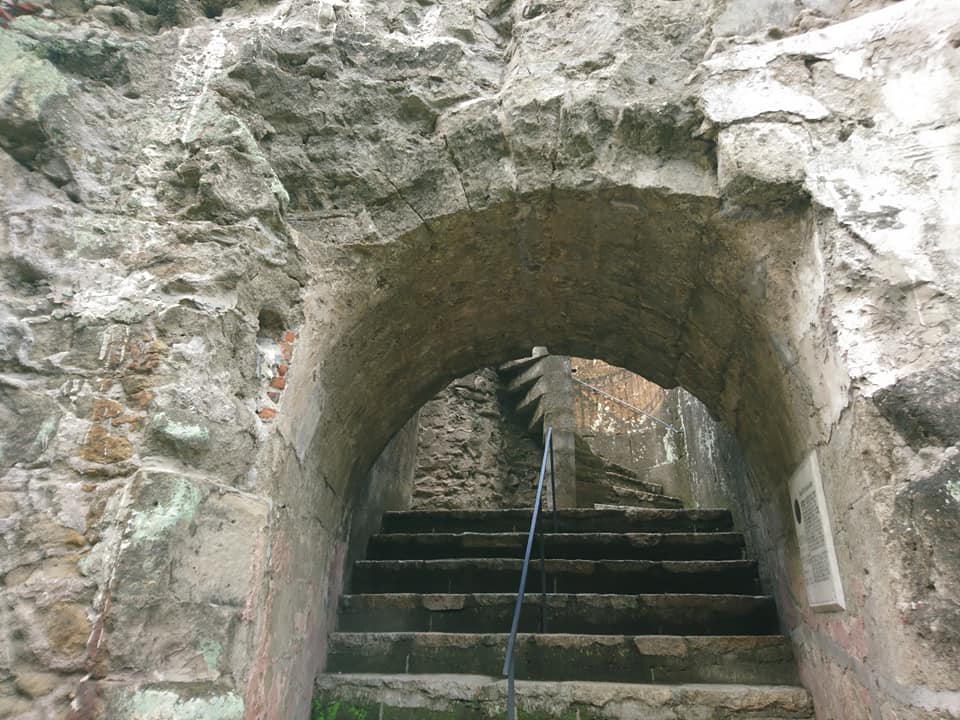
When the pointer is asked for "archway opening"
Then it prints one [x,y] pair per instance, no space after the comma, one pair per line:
[478,443]
[673,287]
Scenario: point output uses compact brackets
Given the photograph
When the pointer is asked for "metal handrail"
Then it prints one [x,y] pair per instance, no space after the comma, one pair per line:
[509,664]
[607,395]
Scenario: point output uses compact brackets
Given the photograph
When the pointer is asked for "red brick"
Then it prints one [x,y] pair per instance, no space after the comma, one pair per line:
[142,398]
[289,336]
[146,356]
[275,396]
[287,350]
[132,420]
[267,413]
[282,369]
[279,383]
[105,409]
[103,448]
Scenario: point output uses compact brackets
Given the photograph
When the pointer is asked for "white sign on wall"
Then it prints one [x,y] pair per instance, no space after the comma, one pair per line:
[821,573]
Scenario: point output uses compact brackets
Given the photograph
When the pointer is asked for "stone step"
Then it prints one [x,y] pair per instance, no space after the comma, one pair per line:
[578,546]
[594,468]
[630,481]
[535,421]
[666,614]
[613,520]
[481,697]
[522,381]
[514,367]
[529,399]
[637,498]
[757,659]
[590,493]
[599,477]
[502,575]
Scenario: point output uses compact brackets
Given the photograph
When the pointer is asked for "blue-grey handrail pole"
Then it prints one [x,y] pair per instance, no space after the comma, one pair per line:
[553,496]
[553,489]
[508,664]
[543,580]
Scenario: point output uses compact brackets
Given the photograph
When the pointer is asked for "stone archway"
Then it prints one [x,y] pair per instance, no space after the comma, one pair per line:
[674,286]
[627,274]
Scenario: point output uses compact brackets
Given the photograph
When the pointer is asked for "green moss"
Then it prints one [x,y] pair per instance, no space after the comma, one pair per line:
[328,707]
[46,433]
[182,506]
[336,710]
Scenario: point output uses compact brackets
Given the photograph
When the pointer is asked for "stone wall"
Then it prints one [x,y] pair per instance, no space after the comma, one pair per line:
[390,486]
[472,451]
[627,437]
[753,201]
[693,455]
[715,465]
[613,430]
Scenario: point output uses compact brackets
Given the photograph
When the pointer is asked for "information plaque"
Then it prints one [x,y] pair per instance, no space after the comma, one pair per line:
[821,573]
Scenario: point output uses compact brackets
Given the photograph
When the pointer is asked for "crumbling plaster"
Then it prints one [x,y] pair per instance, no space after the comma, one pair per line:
[414,190]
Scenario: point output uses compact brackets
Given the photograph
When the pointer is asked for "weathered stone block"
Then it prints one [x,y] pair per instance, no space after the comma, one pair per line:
[183,433]
[37,684]
[924,406]
[189,559]
[207,565]
[28,420]
[28,91]
[67,628]
[762,163]
[927,518]
[161,701]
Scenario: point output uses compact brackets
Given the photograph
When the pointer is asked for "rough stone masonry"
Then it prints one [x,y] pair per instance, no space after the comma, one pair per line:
[243,243]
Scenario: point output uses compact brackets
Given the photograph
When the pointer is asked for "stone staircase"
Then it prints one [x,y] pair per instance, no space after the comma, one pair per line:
[524,383]
[528,389]
[601,482]
[653,614]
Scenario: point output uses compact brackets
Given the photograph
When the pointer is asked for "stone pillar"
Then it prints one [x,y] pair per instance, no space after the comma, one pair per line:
[558,412]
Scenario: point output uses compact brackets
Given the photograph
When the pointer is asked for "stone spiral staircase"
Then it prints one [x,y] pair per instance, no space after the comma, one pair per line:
[653,614]
[601,482]
[525,383]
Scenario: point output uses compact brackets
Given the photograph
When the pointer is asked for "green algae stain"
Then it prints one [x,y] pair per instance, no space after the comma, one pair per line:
[46,433]
[27,81]
[35,25]
[211,651]
[167,705]
[182,506]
